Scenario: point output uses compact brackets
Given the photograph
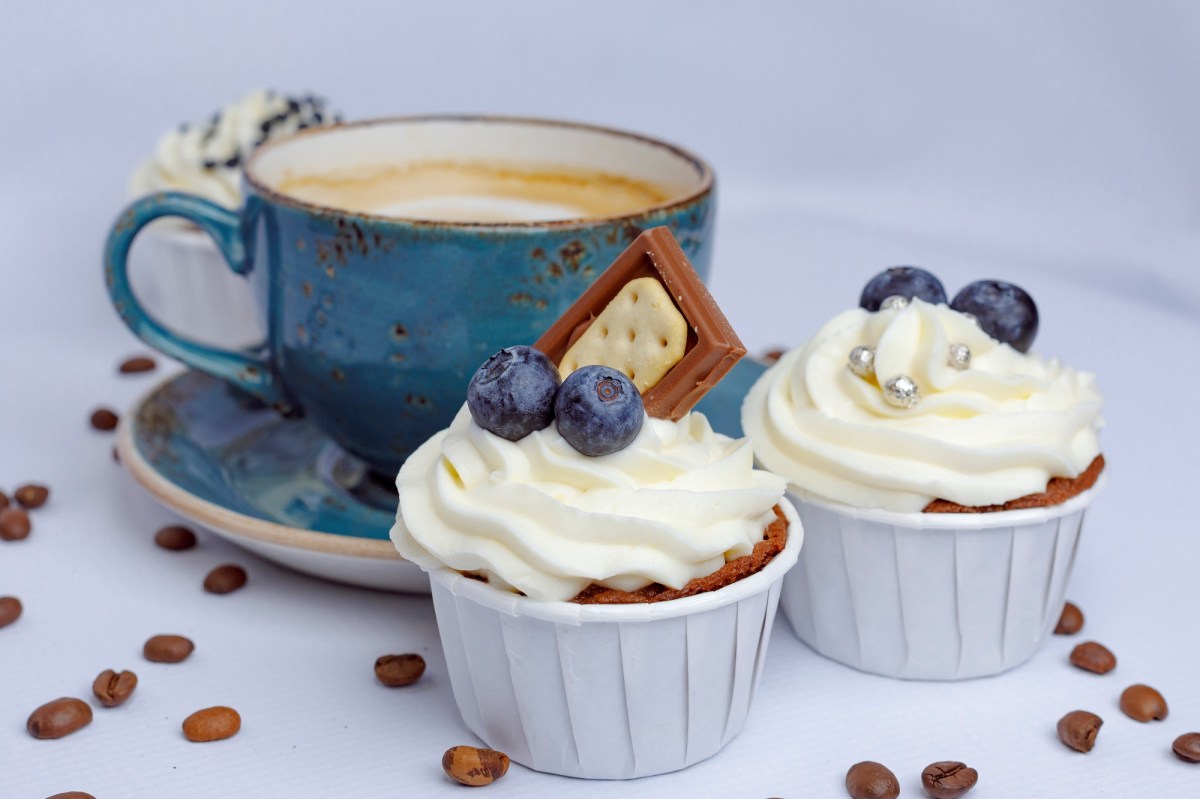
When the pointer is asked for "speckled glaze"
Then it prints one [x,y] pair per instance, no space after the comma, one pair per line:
[376,324]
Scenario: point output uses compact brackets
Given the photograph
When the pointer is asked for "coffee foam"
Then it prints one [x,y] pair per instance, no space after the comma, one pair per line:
[475,192]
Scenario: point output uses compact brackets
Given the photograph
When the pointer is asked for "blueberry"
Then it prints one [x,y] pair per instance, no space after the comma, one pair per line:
[599,410]
[512,393]
[905,281]
[1004,311]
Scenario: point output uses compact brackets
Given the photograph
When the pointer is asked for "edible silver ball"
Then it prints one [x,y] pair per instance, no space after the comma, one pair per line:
[896,301]
[901,392]
[862,361]
[959,357]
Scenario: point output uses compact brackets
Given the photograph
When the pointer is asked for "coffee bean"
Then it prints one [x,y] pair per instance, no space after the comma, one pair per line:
[4,501]
[212,724]
[61,717]
[1071,620]
[167,649]
[113,688]
[14,524]
[224,579]
[871,780]
[72,795]
[395,671]
[176,537]
[1143,703]
[10,610]
[104,419]
[31,495]
[948,779]
[1078,730]
[1093,657]
[470,766]
[1187,747]
[135,365]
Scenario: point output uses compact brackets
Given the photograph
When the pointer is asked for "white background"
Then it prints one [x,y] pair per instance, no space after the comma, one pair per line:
[1056,145]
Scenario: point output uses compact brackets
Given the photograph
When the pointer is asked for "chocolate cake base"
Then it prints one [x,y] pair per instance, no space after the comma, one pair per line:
[773,541]
[1058,490]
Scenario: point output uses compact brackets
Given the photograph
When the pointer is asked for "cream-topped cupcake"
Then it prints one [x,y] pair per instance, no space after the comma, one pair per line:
[177,271]
[941,476]
[605,580]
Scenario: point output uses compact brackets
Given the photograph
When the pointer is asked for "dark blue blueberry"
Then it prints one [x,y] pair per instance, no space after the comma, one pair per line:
[905,281]
[598,410]
[512,393]
[1004,311]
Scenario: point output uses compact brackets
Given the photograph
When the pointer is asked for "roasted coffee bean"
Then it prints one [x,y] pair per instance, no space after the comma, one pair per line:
[104,419]
[4,501]
[225,579]
[72,795]
[1071,620]
[14,524]
[176,537]
[113,688]
[395,671]
[61,717]
[871,780]
[948,779]
[1187,747]
[470,766]
[131,366]
[212,724]
[1143,703]
[1078,730]
[167,649]
[31,495]
[10,610]
[1093,657]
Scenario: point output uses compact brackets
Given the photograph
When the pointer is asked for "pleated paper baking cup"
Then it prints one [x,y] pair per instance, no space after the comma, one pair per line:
[183,281]
[608,691]
[931,596]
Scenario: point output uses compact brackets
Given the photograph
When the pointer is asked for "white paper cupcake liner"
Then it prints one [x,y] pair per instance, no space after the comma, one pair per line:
[931,596]
[608,691]
[183,281]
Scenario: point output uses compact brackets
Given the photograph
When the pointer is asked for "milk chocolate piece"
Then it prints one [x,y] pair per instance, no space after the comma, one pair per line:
[712,347]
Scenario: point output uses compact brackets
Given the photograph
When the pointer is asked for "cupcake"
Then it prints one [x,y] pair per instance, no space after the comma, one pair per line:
[178,271]
[605,580]
[942,472]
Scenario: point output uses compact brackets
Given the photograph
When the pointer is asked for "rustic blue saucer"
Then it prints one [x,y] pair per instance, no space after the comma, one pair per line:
[283,489]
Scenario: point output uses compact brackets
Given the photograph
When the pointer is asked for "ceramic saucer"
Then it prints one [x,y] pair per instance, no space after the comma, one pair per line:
[282,489]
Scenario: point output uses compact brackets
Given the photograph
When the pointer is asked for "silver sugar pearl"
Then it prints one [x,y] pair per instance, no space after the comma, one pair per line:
[901,392]
[896,301]
[959,356]
[862,361]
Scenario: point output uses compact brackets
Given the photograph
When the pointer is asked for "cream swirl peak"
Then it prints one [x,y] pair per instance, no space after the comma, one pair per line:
[204,159]
[536,516]
[997,430]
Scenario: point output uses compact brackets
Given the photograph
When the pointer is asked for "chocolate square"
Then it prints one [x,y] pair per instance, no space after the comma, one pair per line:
[712,347]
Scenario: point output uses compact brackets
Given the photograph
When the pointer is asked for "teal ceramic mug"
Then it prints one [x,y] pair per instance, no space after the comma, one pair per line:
[389,258]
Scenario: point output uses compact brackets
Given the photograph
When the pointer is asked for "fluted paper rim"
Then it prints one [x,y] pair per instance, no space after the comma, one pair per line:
[570,613]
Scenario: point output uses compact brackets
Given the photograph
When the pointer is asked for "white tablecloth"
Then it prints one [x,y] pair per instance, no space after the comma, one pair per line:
[1050,146]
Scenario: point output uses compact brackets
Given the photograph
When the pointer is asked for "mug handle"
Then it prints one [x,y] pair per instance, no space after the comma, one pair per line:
[243,369]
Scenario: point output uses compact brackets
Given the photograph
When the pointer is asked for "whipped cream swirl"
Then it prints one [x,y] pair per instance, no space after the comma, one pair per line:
[538,517]
[993,432]
[205,159]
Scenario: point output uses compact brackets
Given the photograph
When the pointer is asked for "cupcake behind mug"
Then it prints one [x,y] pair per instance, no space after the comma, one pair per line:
[178,273]
[942,473]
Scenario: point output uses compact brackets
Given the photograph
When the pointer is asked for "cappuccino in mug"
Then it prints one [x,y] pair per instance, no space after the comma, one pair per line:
[449,191]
